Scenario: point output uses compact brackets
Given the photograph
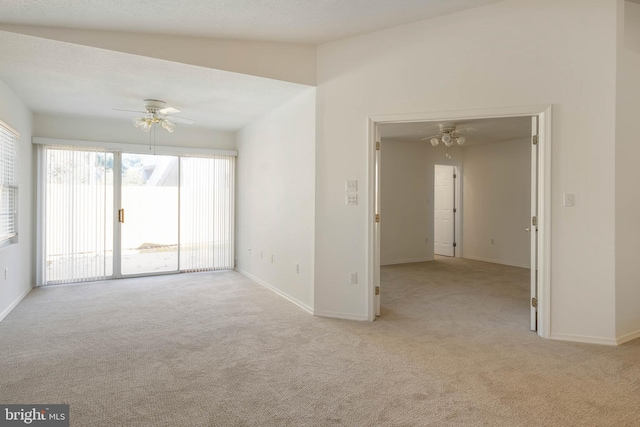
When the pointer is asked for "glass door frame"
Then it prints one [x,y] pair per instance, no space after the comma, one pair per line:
[117,224]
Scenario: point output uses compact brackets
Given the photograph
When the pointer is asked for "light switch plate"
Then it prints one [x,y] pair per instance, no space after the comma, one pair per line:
[351,185]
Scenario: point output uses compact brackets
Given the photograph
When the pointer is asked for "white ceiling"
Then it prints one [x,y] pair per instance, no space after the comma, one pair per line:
[61,78]
[299,21]
[476,131]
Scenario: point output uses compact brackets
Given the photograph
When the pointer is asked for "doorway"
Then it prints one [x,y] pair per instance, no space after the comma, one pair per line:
[540,236]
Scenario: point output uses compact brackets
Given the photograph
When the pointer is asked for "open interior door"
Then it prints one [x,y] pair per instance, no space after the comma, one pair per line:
[533,227]
[376,180]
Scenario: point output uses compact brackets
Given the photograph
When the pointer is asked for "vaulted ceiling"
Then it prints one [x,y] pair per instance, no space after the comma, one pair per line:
[55,76]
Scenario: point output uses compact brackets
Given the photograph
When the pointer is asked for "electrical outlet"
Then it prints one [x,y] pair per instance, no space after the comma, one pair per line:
[249,249]
[568,200]
[297,268]
[353,278]
[426,240]
[493,242]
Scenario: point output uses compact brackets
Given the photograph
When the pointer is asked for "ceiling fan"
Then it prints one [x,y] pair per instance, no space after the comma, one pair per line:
[157,112]
[449,134]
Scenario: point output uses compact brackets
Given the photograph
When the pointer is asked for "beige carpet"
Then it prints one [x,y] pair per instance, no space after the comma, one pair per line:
[452,349]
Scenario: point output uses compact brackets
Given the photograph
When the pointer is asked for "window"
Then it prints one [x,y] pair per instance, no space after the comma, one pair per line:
[8,184]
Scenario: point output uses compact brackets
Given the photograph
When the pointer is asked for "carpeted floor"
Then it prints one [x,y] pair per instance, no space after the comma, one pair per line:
[452,349]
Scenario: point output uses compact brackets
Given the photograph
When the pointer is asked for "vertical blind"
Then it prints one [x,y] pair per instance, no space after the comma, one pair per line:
[206,213]
[8,184]
[78,214]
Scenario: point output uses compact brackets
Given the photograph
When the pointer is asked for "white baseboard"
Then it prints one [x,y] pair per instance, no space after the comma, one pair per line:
[628,337]
[405,261]
[13,305]
[584,339]
[495,261]
[272,288]
[337,315]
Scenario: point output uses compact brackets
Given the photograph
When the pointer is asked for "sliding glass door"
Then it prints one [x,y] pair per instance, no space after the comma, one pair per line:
[148,214]
[78,222]
[111,214]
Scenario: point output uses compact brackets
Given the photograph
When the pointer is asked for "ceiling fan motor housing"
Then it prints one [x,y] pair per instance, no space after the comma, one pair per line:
[153,106]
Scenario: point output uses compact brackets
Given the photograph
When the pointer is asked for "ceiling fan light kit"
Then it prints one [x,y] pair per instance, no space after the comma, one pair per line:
[156,114]
[448,136]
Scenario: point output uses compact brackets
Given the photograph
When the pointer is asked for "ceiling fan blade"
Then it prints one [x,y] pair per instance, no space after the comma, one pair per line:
[465,130]
[429,137]
[130,111]
[168,110]
[180,120]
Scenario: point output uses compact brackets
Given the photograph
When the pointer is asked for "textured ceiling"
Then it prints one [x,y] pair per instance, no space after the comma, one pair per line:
[63,78]
[299,21]
[477,131]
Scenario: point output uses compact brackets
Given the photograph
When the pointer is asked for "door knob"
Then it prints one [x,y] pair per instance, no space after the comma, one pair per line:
[527,229]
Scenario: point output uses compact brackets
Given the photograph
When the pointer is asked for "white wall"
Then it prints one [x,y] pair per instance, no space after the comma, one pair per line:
[496,184]
[514,52]
[18,257]
[123,131]
[496,180]
[406,203]
[280,61]
[406,198]
[628,176]
[275,199]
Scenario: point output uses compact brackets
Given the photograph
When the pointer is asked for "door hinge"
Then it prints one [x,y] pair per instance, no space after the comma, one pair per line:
[455,210]
[534,139]
[377,218]
[455,176]
[378,145]
[455,244]
[534,221]
[377,290]
[121,215]
[534,302]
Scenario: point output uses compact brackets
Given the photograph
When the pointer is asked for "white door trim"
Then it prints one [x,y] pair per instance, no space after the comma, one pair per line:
[544,113]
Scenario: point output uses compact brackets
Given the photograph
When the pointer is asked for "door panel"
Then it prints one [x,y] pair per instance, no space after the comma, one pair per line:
[149,216]
[376,192]
[533,228]
[443,215]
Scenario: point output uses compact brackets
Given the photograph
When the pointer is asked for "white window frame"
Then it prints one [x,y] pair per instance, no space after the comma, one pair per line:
[8,184]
